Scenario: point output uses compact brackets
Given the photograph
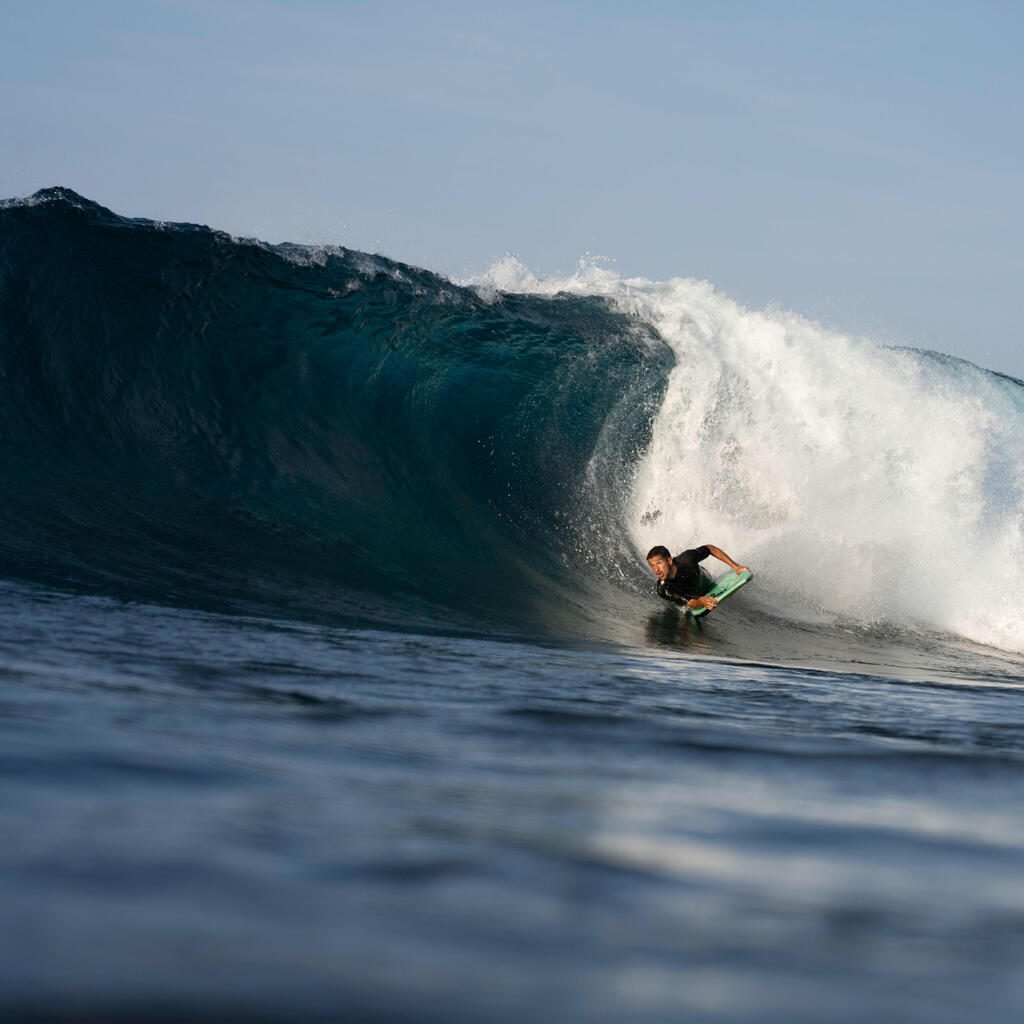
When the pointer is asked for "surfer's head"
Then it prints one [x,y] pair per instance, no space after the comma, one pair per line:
[660,561]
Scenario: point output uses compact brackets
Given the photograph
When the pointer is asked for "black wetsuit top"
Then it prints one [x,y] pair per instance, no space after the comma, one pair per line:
[690,579]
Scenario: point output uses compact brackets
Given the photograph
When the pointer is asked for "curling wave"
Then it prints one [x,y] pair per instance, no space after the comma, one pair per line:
[184,413]
[189,416]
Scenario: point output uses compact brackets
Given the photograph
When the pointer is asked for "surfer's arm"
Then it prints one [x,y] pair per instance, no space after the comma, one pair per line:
[723,557]
[702,602]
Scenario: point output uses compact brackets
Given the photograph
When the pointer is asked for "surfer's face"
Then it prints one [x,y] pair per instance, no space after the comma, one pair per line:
[659,566]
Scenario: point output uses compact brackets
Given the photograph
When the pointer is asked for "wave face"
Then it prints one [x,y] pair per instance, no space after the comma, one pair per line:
[183,413]
[874,485]
[190,416]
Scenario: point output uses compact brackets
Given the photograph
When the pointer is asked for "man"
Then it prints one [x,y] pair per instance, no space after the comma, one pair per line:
[681,580]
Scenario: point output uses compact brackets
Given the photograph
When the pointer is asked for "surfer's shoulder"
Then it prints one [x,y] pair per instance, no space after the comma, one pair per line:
[697,554]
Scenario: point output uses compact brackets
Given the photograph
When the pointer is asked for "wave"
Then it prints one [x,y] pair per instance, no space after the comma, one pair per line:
[185,413]
[190,416]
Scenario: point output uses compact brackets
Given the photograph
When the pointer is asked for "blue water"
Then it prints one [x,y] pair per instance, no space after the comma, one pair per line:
[332,686]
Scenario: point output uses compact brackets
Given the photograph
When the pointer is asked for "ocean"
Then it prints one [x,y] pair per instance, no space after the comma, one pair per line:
[334,685]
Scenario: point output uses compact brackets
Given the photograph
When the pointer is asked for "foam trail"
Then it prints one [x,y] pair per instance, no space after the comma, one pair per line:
[875,484]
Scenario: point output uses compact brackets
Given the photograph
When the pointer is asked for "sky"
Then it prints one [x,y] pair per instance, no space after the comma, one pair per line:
[860,164]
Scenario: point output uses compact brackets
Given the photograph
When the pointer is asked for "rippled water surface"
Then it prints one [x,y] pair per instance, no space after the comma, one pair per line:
[250,819]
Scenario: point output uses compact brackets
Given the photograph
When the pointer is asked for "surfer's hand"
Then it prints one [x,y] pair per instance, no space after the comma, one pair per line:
[741,568]
[709,602]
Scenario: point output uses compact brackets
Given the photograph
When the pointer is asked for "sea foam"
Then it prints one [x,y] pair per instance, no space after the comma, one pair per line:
[878,485]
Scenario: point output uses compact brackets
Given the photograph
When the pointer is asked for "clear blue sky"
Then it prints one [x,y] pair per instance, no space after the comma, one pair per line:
[860,163]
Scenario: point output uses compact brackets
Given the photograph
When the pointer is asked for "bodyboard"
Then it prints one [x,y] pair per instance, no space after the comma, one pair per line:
[723,588]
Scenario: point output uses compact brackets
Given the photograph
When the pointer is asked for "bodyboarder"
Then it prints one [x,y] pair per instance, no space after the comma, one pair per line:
[681,580]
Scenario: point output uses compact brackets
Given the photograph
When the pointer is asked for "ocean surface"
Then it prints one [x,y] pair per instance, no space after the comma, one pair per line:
[334,686]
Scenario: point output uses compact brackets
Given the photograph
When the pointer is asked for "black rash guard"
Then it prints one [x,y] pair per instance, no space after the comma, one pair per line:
[690,579]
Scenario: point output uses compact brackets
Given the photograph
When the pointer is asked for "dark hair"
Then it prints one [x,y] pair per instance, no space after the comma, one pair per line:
[659,552]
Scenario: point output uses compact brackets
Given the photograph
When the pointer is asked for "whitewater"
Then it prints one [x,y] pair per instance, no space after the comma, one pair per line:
[868,483]
[333,683]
